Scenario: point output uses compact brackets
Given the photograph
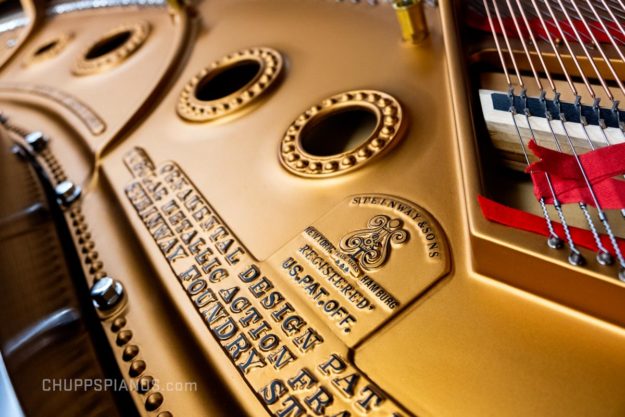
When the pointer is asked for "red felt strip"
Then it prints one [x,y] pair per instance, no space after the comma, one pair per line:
[568,182]
[480,22]
[508,216]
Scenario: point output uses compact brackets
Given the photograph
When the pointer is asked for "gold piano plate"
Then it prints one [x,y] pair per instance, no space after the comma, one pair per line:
[285,268]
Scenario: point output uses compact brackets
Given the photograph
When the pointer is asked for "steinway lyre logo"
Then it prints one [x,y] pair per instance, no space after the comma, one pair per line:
[371,247]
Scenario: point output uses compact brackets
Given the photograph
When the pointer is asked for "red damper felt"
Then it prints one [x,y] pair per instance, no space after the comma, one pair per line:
[566,177]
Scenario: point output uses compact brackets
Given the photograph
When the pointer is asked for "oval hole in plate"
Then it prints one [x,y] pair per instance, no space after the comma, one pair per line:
[227,80]
[46,47]
[108,44]
[339,131]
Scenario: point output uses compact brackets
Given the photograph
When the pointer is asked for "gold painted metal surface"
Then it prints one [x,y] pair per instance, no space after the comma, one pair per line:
[286,290]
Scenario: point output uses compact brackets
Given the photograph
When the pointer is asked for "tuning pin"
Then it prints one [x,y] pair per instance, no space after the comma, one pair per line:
[576,258]
[554,242]
[604,258]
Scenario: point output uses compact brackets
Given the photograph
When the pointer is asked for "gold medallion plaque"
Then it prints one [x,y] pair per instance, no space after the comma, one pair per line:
[363,261]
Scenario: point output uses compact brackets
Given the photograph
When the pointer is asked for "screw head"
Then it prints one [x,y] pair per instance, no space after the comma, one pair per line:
[67,192]
[106,293]
[37,141]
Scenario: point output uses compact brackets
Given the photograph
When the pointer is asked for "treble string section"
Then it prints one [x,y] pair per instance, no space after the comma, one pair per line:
[597,45]
[575,257]
[600,212]
[615,112]
[617,23]
[553,241]
[603,256]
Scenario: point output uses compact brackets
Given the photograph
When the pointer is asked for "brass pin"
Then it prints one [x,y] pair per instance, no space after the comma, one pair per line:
[411,20]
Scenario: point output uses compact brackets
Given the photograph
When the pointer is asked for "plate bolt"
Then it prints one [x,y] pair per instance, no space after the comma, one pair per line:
[106,293]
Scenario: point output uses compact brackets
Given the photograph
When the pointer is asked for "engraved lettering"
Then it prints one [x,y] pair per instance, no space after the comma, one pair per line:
[238,345]
[308,340]
[214,313]
[240,304]
[205,299]
[303,380]
[334,365]
[225,330]
[261,287]
[268,342]
[197,286]
[254,360]
[319,401]
[190,274]
[228,294]
[180,252]
[261,329]
[250,274]
[281,358]
[347,384]
[371,398]
[292,408]
[252,316]
[233,257]
[273,391]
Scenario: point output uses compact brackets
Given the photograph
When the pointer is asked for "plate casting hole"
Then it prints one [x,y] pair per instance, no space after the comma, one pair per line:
[227,80]
[338,132]
[108,44]
[46,47]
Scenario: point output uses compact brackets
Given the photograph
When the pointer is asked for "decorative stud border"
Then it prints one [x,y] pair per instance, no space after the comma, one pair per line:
[139,33]
[130,353]
[60,42]
[387,131]
[91,120]
[191,108]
